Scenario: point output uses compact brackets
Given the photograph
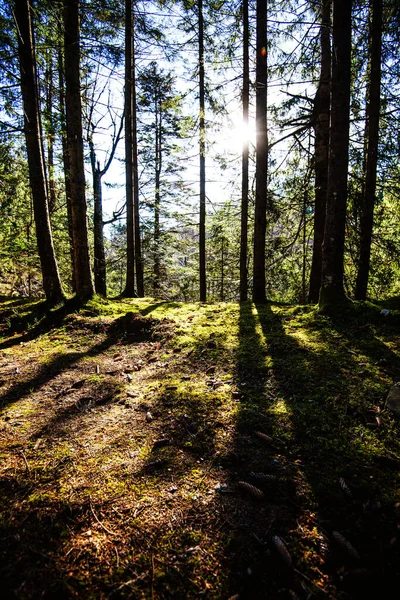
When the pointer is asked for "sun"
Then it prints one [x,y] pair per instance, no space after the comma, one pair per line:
[236,134]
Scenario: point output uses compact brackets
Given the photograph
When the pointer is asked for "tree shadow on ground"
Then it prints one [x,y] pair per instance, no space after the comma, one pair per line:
[298,393]
[38,533]
[40,319]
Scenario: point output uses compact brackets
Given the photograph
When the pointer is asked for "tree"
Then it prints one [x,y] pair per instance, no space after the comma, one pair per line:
[100,278]
[161,120]
[73,104]
[371,147]
[65,153]
[245,156]
[321,151]
[33,135]
[133,238]
[202,144]
[332,287]
[260,216]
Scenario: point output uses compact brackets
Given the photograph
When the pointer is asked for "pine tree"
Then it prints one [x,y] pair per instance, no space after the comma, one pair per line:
[371,147]
[260,216]
[321,127]
[245,156]
[33,136]
[82,269]
[332,285]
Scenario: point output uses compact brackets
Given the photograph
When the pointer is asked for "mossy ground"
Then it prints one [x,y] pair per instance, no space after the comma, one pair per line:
[123,440]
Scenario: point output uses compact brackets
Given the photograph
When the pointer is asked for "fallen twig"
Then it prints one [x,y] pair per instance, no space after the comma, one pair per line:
[100,523]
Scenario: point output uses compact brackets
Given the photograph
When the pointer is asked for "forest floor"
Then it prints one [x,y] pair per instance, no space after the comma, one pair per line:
[159,450]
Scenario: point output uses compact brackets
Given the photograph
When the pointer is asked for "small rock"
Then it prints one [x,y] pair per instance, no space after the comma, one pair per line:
[393,400]
[149,417]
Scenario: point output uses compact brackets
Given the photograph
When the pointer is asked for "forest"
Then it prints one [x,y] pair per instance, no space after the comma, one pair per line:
[200,149]
[199,299]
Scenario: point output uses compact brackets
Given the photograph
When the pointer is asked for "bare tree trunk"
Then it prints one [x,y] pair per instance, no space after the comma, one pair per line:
[245,157]
[29,91]
[135,167]
[321,116]
[65,157]
[332,285]
[50,131]
[83,273]
[371,158]
[133,242]
[130,246]
[202,220]
[260,215]
[100,281]
[158,164]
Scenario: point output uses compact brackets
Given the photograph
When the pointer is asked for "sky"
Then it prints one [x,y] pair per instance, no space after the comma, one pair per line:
[226,140]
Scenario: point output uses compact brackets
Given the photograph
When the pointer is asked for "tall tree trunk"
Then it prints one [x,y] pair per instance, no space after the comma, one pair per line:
[371,158]
[130,245]
[65,156]
[133,241]
[135,167]
[100,281]
[332,285]
[260,215]
[50,131]
[51,278]
[83,274]
[202,219]
[321,126]
[158,165]
[245,157]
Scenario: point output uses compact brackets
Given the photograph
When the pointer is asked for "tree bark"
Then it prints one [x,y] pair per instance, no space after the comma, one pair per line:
[65,156]
[371,158]
[158,166]
[202,219]
[260,216]
[82,270]
[100,279]
[133,241]
[50,132]
[332,285]
[135,168]
[130,246]
[245,157]
[321,127]
[33,135]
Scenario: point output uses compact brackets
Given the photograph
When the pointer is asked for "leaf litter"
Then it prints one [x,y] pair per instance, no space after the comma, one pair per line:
[97,500]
